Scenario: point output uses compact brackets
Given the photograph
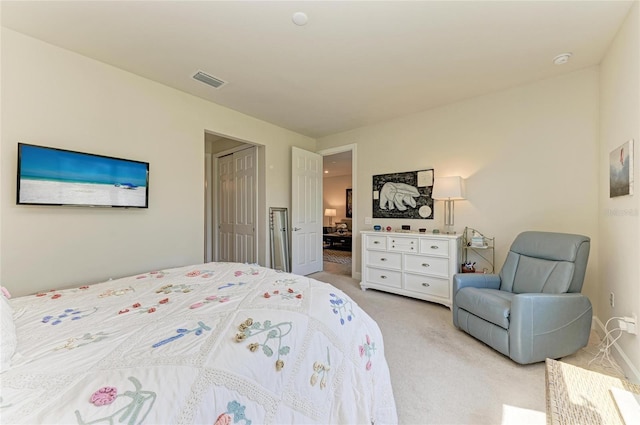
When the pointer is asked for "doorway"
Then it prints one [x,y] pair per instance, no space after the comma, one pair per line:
[339,237]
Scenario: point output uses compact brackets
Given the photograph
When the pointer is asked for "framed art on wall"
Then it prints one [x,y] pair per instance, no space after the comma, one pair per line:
[403,195]
[349,204]
[621,170]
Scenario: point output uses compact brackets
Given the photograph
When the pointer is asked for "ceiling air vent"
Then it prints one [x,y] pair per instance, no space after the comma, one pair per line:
[208,79]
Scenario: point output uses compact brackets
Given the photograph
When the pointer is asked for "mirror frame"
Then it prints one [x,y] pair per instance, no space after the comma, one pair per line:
[283,214]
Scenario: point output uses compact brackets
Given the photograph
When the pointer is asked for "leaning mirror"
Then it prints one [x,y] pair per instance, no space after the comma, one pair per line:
[279,228]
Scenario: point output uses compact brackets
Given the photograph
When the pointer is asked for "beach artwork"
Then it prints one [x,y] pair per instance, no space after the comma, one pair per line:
[621,170]
[50,176]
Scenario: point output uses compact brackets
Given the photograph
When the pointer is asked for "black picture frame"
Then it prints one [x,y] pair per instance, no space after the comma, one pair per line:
[48,176]
[404,195]
[349,203]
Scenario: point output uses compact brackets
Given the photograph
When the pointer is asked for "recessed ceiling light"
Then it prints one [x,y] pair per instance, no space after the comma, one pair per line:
[300,18]
[562,58]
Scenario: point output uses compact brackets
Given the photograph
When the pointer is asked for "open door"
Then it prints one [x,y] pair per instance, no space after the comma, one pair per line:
[306,212]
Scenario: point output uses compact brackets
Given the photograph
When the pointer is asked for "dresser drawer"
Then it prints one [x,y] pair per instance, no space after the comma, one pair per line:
[426,285]
[403,244]
[436,266]
[392,260]
[434,247]
[384,277]
[375,242]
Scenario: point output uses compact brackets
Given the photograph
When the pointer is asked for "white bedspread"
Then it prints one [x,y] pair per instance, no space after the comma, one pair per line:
[217,343]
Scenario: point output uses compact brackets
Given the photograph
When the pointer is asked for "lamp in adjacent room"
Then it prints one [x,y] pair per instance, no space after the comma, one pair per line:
[330,212]
[448,189]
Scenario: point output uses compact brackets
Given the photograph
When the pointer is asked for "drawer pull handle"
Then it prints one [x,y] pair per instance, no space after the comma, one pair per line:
[411,242]
[434,246]
[426,285]
[383,259]
[376,242]
[425,264]
[383,277]
[411,247]
[393,246]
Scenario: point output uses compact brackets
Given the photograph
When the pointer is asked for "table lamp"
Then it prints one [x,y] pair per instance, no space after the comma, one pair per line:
[330,212]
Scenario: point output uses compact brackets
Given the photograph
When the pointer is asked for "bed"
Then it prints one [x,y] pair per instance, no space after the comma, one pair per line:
[216,343]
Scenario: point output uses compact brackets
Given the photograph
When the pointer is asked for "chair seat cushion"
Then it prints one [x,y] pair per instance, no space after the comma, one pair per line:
[492,305]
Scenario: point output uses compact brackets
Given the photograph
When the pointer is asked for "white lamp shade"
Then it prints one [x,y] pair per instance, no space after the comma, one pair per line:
[446,188]
[330,212]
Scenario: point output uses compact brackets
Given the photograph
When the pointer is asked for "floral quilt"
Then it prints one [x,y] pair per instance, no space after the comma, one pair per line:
[217,343]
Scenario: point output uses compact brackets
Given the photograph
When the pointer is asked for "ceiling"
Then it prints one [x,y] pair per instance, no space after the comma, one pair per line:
[338,164]
[353,64]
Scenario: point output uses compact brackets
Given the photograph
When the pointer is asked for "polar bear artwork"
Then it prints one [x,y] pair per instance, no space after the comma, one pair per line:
[396,195]
[404,195]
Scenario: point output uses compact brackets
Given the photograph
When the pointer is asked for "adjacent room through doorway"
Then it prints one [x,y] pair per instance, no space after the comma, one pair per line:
[337,207]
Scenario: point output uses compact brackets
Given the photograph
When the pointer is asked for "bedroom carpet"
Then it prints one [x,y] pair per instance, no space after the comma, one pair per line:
[442,375]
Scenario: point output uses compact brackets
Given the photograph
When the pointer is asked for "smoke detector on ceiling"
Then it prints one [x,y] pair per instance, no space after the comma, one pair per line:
[300,18]
[562,58]
[209,79]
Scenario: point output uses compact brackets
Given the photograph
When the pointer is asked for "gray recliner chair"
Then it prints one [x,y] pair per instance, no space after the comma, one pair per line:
[533,309]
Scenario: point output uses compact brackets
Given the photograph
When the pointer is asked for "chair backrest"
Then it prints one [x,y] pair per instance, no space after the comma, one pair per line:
[545,262]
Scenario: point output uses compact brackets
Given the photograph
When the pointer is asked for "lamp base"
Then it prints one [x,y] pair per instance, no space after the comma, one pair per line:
[448,230]
[449,207]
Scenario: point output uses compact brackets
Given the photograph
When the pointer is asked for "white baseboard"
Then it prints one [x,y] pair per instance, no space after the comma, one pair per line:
[630,371]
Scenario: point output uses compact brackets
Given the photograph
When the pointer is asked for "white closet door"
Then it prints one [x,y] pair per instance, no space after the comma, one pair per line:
[245,205]
[237,175]
[306,212]
[226,208]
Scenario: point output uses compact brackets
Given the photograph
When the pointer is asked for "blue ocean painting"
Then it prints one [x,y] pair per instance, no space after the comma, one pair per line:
[38,163]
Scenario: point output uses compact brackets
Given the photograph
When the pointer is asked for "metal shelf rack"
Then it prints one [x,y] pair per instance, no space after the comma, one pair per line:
[483,255]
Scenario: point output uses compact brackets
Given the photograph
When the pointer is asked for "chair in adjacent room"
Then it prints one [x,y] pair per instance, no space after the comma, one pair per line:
[532,309]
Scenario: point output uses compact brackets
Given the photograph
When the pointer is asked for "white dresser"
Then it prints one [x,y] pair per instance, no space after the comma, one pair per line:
[418,265]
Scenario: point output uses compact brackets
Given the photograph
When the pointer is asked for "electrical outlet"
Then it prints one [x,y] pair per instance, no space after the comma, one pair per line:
[632,324]
[612,300]
[629,324]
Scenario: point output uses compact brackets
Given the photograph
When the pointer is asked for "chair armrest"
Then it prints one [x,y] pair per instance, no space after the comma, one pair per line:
[548,325]
[476,280]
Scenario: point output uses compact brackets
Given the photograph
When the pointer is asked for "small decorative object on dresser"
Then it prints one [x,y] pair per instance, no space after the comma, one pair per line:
[416,265]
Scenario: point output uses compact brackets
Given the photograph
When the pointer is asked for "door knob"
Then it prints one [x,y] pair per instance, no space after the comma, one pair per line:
[295,229]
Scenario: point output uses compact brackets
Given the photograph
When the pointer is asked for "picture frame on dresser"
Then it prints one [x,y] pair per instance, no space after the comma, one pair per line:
[416,265]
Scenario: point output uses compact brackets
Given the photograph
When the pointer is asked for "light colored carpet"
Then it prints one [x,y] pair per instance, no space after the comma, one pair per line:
[441,375]
[337,268]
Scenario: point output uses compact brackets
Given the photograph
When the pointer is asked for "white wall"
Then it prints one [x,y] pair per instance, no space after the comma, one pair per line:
[528,154]
[334,195]
[1,193]
[54,97]
[619,217]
